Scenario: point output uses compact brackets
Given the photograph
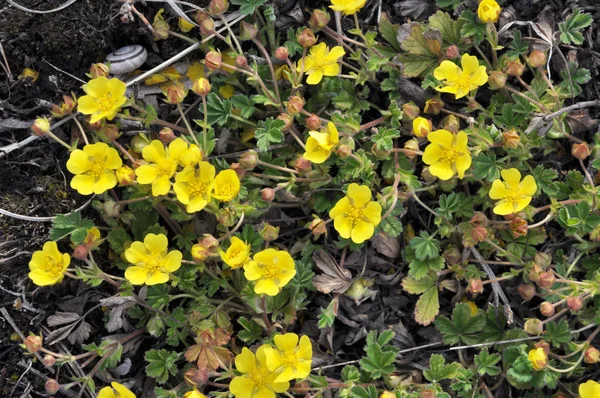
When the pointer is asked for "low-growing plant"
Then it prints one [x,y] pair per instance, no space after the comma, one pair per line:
[441,167]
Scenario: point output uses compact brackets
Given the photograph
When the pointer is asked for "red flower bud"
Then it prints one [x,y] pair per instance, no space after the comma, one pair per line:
[306,38]
[547,279]
[526,291]
[318,19]
[267,194]
[581,151]
[313,122]
[249,160]
[51,387]
[574,303]
[547,309]
[213,60]
[282,53]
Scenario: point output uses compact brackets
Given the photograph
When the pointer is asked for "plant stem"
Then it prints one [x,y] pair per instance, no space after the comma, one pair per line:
[187,125]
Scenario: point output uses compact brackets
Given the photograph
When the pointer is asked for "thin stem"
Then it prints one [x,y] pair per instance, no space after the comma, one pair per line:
[237,226]
[182,37]
[205,126]
[80,127]
[416,197]
[520,94]
[271,69]
[240,119]
[124,151]
[61,142]
[544,221]
[275,167]
[233,37]
[187,125]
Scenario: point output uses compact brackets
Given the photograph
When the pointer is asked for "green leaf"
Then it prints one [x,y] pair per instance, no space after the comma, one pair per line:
[517,47]
[558,333]
[117,237]
[418,286]
[486,363]
[438,370]
[392,226]
[389,31]
[269,131]
[419,269]
[245,104]
[452,4]
[544,179]
[421,53]
[217,110]
[428,306]
[448,27]
[570,30]
[380,357]
[361,392]
[425,246]
[545,378]
[251,332]
[521,372]
[463,327]
[161,363]
[292,43]
[472,26]
[486,167]
[350,373]
[327,315]
[70,224]
[384,138]
[248,7]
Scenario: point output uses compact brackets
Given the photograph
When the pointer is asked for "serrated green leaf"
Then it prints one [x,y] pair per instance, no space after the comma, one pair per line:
[161,363]
[269,131]
[438,370]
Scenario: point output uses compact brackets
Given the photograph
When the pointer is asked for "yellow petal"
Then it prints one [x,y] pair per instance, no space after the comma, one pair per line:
[528,186]
[319,50]
[469,63]
[156,243]
[172,261]
[343,225]
[136,253]
[83,183]
[362,231]
[332,69]
[241,387]
[447,70]
[154,152]
[463,163]
[252,271]
[433,153]
[359,194]
[136,275]
[504,207]
[286,342]
[87,105]
[522,203]
[266,286]
[182,192]
[123,391]
[442,137]
[107,180]
[373,212]
[479,77]
[116,88]
[498,190]
[512,177]
[97,87]
[146,174]
[106,392]
[78,162]
[341,207]
[336,52]
[441,170]
[161,186]
[589,389]
[113,160]
[245,362]
[177,148]
[315,77]
[156,278]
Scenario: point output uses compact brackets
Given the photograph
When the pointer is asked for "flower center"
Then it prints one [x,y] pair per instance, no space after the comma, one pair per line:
[166,168]
[289,358]
[259,377]
[271,270]
[153,263]
[97,168]
[226,190]
[355,214]
[463,81]
[198,188]
[449,155]
[105,102]
[54,268]
[513,195]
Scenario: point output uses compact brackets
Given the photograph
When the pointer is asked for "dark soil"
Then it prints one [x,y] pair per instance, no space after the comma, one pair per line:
[32,182]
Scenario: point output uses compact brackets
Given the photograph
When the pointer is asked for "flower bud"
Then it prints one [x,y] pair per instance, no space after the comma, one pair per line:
[387,394]
[207,246]
[380,153]
[287,119]
[268,232]
[241,62]
[218,7]
[295,105]
[201,87]
[109,131]
[239,170]
[282,53]
[411,145]
[452,255]
[318,19]
[518,226]
[125,176]
[206,23]
[427,176]
[213,60]
[547,279]
[41,126]
[48,361]
[479,233]
[33,343]
[547,309]
[421,127]
[475,286]
[166,135]
[226,217]
[175,93]
[267,194]
[591,356]
[51,387]
[410,110]
[581,151]
[302,165]
[452,52]
[248,31]
[359,289]
[80,252]
[511,139]
[451,123]
[433,106]
[533,326]
[313,122]
[249,160]
[306,38]
[427,394]
[138,143]
[515,68]
[574,303]
[534,273]
[343,151]
[526,291]
[538,358]
[318,227]
[479,219]
[536,59]
[67,106]
[161,29]
[99,70]
[542,260]
[496,80]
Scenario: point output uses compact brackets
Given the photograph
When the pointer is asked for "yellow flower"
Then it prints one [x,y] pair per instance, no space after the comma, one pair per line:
[191,156]
[321,62]
[348,7]
[194,394]
[538,358]
[488,11]
[448,154]
[162,165]
[193,186]
[256,381]
[48,266]
[272,269]
[461,82]
[116,391]
[94,168]
[320,144]
[93,235]
[29,73]
[238,253]
[125,175]
[104,98]
[356,215]
[151,260]
[227,185]
[184,25]
[589,389]
[421,127]
[387,394]
[513,194]
[227,91]
[195,71]
[292,359]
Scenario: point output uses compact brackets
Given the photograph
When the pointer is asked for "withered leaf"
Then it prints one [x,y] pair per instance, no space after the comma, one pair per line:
[334,279]
[208,353]
[80,334]
[386,245]
[62,318]
[580,121]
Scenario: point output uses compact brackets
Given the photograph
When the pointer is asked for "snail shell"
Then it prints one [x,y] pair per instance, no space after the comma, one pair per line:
[126,59]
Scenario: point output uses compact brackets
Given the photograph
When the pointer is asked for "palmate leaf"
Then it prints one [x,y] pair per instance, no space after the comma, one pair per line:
[217,110]
[248,7]
[439,370]
[463,327]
